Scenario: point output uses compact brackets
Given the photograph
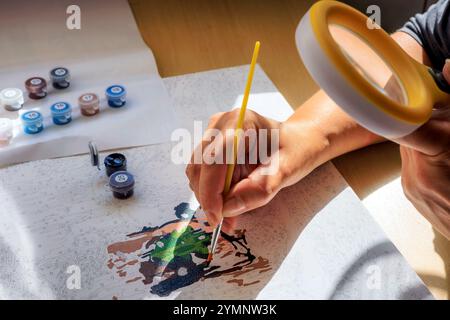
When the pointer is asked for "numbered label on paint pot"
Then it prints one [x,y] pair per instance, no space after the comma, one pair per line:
[88,97]
[10,93]
[31,115]
[121,178]
[60,106]
[36,82]
[60,72]
[116,90]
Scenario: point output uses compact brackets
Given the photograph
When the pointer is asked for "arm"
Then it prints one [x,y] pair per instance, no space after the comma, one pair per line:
[317,132]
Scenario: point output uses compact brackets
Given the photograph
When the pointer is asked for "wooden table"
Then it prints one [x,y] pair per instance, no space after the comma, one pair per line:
[199,35]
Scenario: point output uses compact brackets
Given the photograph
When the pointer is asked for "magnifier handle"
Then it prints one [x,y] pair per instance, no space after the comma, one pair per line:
[437,84]
[439,87]
[440,80]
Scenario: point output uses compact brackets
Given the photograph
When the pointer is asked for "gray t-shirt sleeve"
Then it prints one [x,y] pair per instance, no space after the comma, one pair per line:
[431,30]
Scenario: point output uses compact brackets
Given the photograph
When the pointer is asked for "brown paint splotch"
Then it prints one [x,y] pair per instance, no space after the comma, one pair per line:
[134,279]
[241,283]
[129,263]
[139,256]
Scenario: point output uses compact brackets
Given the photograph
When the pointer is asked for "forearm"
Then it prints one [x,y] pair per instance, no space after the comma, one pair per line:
[331,131]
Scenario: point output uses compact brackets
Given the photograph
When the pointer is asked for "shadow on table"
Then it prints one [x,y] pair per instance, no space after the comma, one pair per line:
[377,277]
[442,248]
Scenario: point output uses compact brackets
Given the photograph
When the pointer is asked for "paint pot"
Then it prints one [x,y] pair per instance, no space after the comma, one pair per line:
[116,96]
[6,131]
[11,99]
[89,104]
[61,113]
[60,78]
[122,184]
[33,122]
[36,87]
[115,162]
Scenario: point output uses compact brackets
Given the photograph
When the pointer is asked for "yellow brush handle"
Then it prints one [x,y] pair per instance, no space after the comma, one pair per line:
[230,166]
[240,121]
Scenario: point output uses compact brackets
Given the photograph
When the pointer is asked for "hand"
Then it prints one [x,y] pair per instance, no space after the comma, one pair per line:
[251,188]
[426,167]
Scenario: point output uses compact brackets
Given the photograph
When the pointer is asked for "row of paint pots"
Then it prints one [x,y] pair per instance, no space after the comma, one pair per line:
[33,121]
[12,99]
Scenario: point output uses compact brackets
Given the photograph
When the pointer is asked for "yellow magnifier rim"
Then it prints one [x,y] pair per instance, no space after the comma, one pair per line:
[413,76]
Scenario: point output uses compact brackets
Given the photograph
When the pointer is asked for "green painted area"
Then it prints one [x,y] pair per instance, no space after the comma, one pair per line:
[181,243]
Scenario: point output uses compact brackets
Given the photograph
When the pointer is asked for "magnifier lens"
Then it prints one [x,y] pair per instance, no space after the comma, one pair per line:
[368,63]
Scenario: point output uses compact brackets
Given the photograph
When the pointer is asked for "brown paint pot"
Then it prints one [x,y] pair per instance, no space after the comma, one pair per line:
[36,87]
[89,104]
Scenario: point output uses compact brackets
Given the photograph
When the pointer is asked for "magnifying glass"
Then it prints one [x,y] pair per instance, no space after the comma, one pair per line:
[366,72]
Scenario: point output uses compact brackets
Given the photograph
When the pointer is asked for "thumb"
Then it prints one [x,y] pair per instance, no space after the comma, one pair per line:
[433,137]
[446,70]
[254,191]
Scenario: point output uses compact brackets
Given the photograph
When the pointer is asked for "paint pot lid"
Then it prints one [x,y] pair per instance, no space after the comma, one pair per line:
[59,73]
[6,127]
[60,107]
[121,181]
[115,91]
[88,99]
[115,160]
[93,151]
[31,116]
[11,96]
[36,82]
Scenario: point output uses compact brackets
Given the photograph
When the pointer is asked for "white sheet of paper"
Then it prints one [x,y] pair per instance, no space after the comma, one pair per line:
[103,52]
[58,221]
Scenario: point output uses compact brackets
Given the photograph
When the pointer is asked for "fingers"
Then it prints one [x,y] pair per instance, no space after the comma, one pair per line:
[207,177]
[193,169]
[207,169]
[212,177]
[229,225]
[433,137]
[210,187]
[252,192]
[446,70]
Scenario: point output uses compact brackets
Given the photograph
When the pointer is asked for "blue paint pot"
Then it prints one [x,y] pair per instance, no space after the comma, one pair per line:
[116,96]
[121,184]
[61,113]
[33,122]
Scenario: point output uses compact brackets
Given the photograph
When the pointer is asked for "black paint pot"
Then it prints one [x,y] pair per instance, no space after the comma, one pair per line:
[115,162]
[122,184]
[60,78]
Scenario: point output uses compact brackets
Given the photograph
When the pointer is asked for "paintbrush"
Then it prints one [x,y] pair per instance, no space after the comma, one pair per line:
[230,166]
